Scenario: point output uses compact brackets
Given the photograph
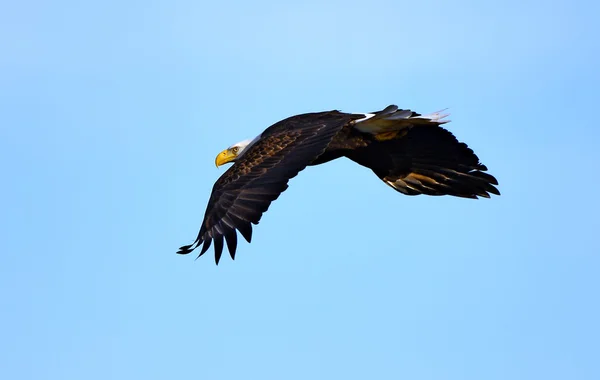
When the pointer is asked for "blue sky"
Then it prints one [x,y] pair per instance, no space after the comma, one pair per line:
[111,115]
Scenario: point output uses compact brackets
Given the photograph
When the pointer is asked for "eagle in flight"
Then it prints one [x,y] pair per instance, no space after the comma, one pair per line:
[408,151]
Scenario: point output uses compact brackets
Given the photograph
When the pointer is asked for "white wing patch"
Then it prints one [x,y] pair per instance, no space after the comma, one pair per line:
[393,119]
[367,116]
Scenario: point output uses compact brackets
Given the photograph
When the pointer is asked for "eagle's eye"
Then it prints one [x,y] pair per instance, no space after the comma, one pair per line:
[235,149]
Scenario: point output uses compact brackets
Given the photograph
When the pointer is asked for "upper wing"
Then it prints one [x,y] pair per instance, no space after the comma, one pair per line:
[245,191]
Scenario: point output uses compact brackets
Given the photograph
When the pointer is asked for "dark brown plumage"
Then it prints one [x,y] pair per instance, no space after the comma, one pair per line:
[409,152]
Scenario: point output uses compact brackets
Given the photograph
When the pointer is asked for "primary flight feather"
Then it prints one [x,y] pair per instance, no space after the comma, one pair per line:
[410,152]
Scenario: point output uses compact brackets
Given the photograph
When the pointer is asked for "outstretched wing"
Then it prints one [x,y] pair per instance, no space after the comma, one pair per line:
[430,160]
[413,154]
[245,191]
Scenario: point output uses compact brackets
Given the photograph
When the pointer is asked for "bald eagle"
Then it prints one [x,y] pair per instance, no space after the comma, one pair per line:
[408,151]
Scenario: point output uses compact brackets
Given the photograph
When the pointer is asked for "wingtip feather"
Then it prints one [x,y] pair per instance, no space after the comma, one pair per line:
[218,248]
[184,250]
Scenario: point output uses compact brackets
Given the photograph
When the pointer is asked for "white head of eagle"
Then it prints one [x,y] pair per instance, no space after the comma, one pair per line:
[234,152]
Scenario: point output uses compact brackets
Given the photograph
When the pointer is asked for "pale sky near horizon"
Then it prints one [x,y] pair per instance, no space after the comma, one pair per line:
[111,114]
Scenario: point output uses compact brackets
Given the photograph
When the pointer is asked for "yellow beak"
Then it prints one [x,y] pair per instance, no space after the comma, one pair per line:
[224,157]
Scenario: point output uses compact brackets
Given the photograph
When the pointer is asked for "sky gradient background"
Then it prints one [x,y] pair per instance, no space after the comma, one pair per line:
[111,115]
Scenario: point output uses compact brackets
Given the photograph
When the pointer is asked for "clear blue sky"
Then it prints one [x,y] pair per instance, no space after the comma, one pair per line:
[111,115]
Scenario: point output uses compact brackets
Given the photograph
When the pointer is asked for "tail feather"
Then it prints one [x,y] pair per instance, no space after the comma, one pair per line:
[394,119]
